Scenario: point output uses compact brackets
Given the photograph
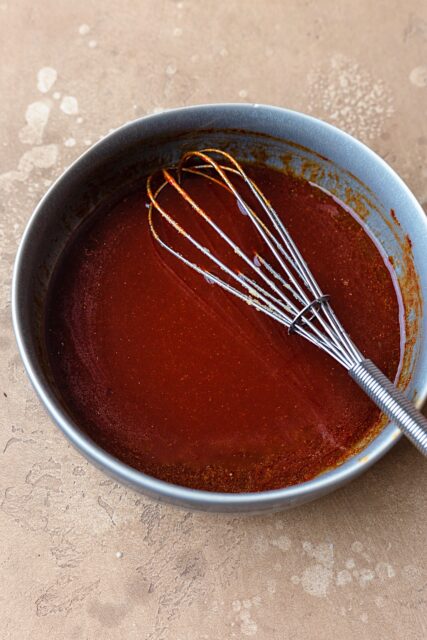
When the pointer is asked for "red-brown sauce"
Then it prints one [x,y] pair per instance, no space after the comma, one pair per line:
[180,380]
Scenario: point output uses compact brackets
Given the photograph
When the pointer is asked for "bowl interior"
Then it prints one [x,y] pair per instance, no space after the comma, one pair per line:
[332,160]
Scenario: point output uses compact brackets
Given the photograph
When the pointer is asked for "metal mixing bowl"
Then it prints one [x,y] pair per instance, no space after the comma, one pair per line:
[276,137]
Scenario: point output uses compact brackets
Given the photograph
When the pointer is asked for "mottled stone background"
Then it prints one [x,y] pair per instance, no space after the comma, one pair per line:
[82,557]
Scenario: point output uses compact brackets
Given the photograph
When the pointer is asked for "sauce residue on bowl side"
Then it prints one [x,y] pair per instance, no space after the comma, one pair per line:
[180,380]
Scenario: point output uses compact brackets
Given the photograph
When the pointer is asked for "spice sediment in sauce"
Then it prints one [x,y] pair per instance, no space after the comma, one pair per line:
[184,382]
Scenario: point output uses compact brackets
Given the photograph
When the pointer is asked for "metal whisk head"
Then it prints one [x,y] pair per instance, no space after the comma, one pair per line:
[275,281]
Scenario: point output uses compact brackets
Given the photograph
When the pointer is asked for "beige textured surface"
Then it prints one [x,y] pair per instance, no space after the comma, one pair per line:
[82,557]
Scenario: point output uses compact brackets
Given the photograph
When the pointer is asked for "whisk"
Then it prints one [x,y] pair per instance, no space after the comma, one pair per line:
[277,281]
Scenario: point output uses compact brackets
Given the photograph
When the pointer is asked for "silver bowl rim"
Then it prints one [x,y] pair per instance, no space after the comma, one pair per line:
[162,490]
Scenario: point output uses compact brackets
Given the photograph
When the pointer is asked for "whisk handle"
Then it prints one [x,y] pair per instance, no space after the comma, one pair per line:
[392,402]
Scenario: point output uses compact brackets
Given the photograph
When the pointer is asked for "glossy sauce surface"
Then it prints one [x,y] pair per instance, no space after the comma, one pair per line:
[177,378]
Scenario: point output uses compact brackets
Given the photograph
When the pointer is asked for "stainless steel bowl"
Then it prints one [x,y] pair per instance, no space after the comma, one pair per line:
[276,137]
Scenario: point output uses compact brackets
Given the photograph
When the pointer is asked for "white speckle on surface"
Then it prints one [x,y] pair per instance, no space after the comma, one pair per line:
[177,32]
[92,44]
[418,76]
[248,626]
[236,605]
[316,580]
[69,105]
[364,617]
[260,544]
[344,93]
[322,552]
[365,576]
[70,142]
[84,29]
[87,142]
[119,555]
[243,93]
[343,578]
[36,115]
[158,110]
[171,69]
[79,120]
[56,95]
[350,564]
[282,542]
[223,52]
[42,157]
[384,571]
[46,78]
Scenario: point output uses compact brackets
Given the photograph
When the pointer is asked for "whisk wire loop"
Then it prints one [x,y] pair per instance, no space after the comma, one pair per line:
[290,251]
[289,293]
